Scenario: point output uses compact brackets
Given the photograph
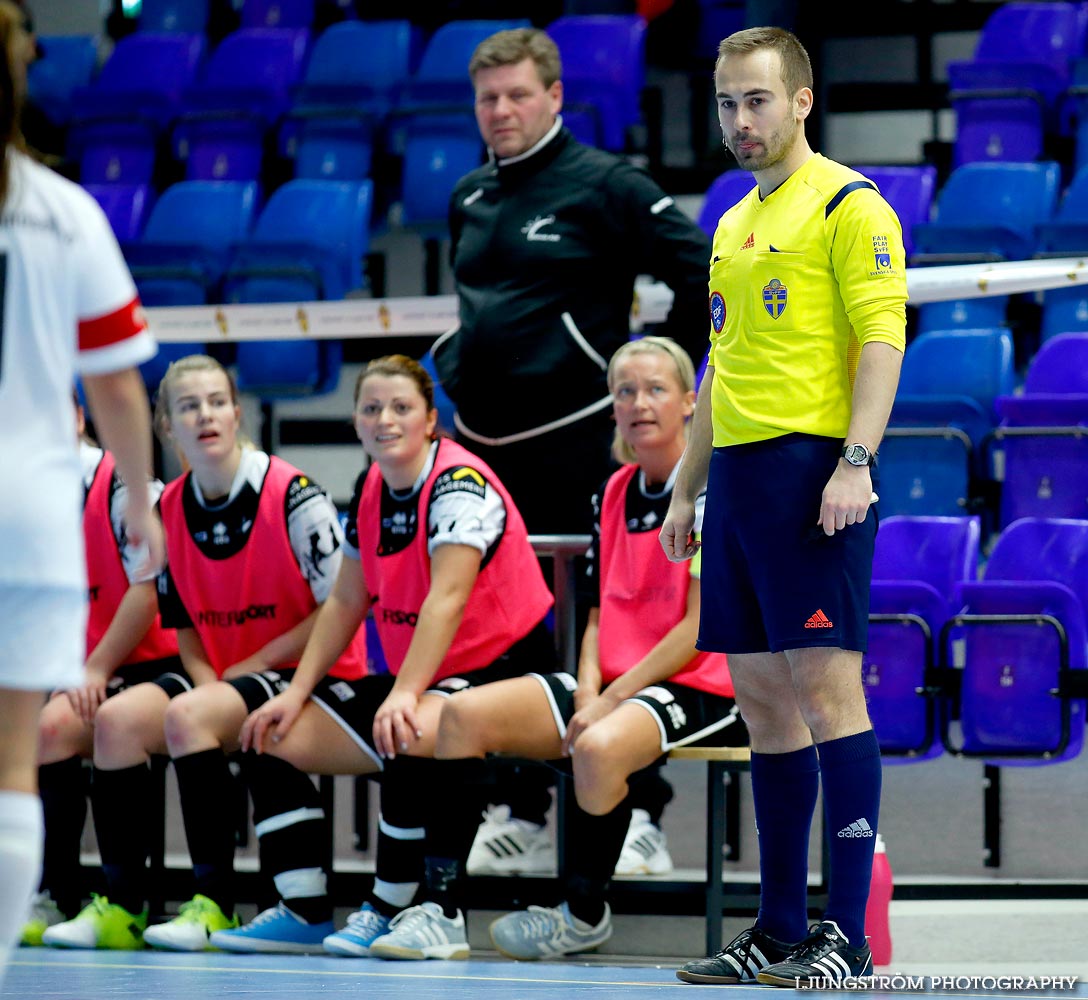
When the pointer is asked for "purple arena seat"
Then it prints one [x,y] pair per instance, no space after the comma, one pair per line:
[1019,645]
[1009,97]
[917,565]
[910,191]
[117,121]
[278,13]
[1042,436]
[241,96]
[127,206]
[604,73]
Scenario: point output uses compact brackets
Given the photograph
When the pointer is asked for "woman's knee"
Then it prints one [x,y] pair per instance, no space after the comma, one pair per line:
[461,728]
[62,733]
[600,773]
[123,731]
[187,721]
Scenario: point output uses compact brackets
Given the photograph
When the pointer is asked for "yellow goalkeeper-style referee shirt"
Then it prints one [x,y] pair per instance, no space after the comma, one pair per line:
[799,281]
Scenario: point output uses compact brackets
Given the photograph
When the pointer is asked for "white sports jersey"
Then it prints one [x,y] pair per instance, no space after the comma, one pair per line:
[68,304]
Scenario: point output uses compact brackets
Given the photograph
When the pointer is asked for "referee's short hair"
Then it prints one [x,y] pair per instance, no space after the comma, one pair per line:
[796,66]
[507,48]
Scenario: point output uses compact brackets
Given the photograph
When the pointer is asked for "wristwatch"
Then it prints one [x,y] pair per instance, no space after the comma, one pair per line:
[858,454]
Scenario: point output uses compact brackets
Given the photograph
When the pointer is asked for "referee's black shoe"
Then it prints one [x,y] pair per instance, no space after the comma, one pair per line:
[740,961]
[823,959]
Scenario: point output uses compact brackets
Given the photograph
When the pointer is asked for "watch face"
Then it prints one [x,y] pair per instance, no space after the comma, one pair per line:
[856,454]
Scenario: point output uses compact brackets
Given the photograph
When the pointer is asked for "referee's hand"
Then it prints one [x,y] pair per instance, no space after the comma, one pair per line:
[846,498]
[678,532]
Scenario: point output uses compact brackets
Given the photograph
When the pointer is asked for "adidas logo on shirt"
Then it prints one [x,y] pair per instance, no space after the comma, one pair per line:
[749,243]
[859,828]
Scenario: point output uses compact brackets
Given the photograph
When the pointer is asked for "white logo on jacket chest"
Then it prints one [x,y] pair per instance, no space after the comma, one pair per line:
[532,230]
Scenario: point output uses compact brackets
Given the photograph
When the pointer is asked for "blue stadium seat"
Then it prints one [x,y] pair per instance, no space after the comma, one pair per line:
[1022,633]
[917,565]
[433,163]
[942,415]
[339,109]
[127,206]
[309,242]
[910,191]
[67,63]
[963,314]
[119,118]
[184,250]
[1065,310]
[181,257]
[987,212]
[189,16]
[1067,232]
[1008,97]
[604,73]
[959,372]
[728,188]
[242,94]
[278,13]
[439,96]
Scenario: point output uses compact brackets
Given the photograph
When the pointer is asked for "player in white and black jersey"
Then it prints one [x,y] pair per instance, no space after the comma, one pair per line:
[641,687]
[67,303]
[252,545]
[436,546]
[460,511]
[221,528]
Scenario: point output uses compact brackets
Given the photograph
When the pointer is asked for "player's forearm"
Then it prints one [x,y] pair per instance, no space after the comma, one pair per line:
[134,616]
[118,403]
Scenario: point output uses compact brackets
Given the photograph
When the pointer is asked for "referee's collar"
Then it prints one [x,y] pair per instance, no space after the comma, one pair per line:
[554,138]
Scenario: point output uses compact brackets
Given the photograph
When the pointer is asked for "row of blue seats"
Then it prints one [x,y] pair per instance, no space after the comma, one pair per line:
[988,665]
[1024,85]
[354,86]
[193,16]
[963,436]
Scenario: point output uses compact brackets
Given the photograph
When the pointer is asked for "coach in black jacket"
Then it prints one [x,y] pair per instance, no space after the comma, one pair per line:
[547,239]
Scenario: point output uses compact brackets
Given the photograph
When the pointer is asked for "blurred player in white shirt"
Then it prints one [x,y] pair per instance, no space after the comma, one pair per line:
[68,306]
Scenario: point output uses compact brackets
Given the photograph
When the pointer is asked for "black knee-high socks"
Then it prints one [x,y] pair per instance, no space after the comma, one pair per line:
[63,786]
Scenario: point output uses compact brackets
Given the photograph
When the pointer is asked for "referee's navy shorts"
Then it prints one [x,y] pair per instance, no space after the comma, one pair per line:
[771,579]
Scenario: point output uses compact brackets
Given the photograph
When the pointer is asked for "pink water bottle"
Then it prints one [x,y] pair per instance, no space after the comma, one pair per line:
[876,911]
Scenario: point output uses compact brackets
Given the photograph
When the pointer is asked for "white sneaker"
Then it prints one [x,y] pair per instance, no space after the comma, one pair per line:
[644,850]
[423,931]
[507,846]
[192,928]
[547,932]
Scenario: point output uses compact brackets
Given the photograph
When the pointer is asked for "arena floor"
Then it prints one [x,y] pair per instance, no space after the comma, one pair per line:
[1060,972]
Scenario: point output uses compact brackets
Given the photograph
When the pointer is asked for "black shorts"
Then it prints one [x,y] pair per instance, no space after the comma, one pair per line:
[167,673]
[771,579]
[684,715]
[353,704]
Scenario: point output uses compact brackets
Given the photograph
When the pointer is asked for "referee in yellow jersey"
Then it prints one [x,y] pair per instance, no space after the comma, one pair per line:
[807,309]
